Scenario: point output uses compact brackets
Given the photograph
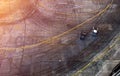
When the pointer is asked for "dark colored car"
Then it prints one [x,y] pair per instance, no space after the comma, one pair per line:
[83,36]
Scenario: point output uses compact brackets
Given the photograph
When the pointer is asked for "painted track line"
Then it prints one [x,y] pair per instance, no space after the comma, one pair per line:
[98,56]
[59,35]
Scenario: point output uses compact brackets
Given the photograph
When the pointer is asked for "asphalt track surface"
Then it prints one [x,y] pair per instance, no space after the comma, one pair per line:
[26,15]
[95,58]
[59,35]
[98,56]
[68,14]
